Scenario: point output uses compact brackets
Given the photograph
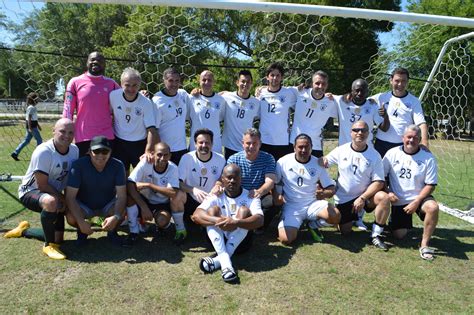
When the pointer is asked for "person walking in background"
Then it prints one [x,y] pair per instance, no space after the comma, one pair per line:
[32,126]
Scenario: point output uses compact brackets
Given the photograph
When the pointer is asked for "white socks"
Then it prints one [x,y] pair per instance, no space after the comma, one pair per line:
[132,214]
[178,220]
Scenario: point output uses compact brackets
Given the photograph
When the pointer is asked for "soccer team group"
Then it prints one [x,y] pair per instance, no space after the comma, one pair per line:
[278,168]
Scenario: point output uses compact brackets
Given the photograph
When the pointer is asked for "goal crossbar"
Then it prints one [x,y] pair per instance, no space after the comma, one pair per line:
[308,9]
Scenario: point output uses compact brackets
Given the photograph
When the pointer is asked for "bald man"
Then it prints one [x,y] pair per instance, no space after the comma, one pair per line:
[41,189]
[207,110]
[228,219]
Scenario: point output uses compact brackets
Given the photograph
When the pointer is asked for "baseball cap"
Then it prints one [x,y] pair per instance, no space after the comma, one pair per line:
[100,142]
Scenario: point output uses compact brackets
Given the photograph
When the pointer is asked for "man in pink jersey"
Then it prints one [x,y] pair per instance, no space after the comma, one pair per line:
[87,97]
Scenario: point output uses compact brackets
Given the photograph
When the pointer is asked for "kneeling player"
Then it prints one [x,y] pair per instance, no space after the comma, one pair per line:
[228,219]
[151,186]
[299,173]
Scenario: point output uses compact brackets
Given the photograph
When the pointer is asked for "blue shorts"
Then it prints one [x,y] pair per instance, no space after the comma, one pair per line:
[102,212]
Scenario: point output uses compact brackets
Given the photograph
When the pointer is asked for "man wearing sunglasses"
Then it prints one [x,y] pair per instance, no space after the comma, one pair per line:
[360,182]
[97,187]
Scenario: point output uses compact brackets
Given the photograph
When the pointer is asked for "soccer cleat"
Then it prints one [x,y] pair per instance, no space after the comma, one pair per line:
[180,236]
[377,242]
[315,234]
[18,231]
[14,156]
[52,251]
[360,225]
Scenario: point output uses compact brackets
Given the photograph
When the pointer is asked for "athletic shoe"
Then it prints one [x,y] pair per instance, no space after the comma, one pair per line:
[207,265]
[114,238]
[14,156]
[315,234]
[18,231]
[229,275]
[52,251]
[360,225]
[131,239]
[180,236]
[377,242]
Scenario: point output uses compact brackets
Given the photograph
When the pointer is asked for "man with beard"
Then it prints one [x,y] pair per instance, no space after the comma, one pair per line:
[87,98]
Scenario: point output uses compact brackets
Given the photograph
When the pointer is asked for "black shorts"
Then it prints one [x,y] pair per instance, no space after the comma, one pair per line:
[347,215]
[383,146]
[31,200]
[128,152]
[176,156]
[399,219]
[228,152]
[190,206]
[277,151]
[154,207]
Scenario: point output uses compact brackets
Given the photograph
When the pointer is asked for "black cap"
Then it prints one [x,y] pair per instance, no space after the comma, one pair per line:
[100,142]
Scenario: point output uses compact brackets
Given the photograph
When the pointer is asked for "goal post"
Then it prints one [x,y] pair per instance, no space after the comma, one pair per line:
[51,40]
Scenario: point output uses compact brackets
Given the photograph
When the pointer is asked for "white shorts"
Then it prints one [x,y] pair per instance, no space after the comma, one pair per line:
[294,214]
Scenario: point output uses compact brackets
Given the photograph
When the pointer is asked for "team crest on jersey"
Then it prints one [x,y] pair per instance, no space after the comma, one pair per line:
[203,171]
[217,105]
[214,170]
[282,99]
[312,172]
[138,111]
[128,110]
[367,111]
[164,180]
[323,107]
[243,203]
[251,106]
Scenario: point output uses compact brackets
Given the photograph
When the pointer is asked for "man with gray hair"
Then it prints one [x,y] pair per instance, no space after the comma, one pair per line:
[258,172]
[134,121]
[413,176]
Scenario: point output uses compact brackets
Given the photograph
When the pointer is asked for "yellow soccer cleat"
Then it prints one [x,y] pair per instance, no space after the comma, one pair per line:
[53,252]
[18,231]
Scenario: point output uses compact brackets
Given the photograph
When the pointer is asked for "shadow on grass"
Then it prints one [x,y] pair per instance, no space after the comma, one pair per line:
[446,241]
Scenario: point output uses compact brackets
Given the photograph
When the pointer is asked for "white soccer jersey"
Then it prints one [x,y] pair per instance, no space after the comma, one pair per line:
[170,115]
[299,180]
[207,112]
[349,113]
[357,170]
[402,112]
[239,116]
[145,173]
[310,117]
[229,206]
[31,111]
[47,160]
[196,173]
[275,114]
[408,174]
[131,119]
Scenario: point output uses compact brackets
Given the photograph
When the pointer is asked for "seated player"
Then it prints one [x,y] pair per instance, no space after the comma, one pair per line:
[151,186]
[96,188]
[41,189]
[228,219]
[413,176]
[360,182]
[302,198]
[198,172]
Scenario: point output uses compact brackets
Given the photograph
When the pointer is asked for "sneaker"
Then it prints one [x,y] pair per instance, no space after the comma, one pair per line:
[180,236]
[14,156]
[114,238]
[360,225]
[315,234]
[18,231]
[52,251]
[377,242]
[131,239]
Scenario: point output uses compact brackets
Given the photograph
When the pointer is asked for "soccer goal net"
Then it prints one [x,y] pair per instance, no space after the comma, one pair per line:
[44,44]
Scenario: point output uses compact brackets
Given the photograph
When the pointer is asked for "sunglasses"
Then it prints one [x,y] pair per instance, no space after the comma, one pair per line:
[356,130]
[101,151]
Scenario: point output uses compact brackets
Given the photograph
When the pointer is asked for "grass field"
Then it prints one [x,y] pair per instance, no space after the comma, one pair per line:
[341,275]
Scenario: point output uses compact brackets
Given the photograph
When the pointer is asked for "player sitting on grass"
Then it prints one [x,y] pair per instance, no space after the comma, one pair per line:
[413,176]
[301,196]
[151,186]
[41,189]
[228,219]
